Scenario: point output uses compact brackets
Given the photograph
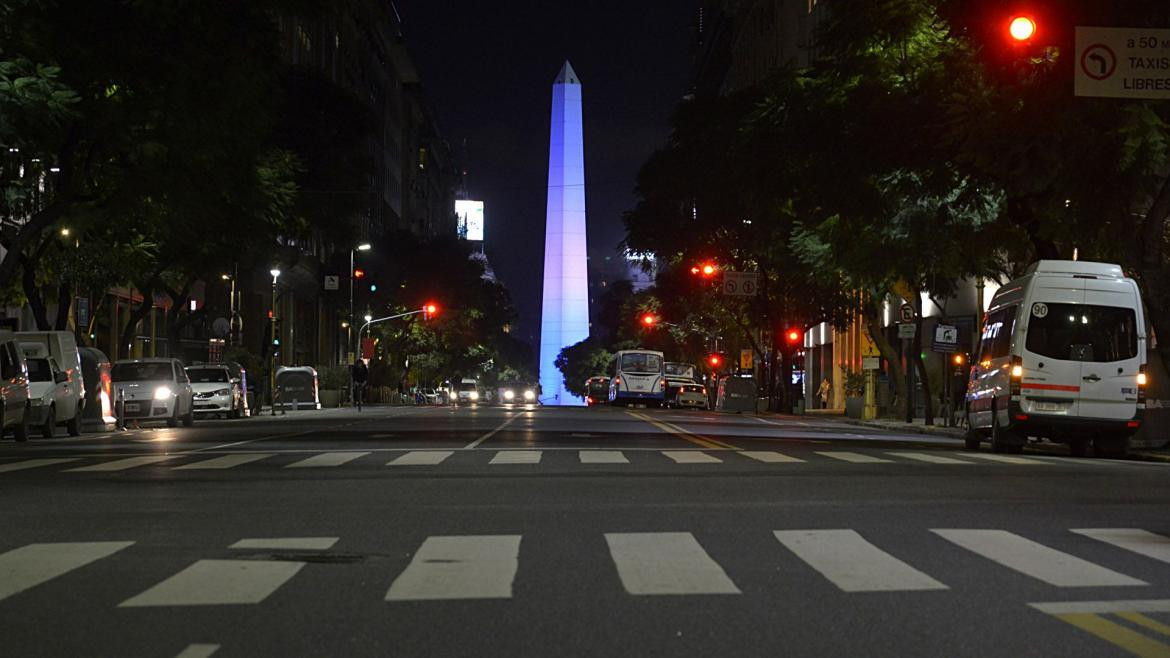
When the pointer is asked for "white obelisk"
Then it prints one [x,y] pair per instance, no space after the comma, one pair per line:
[565,309]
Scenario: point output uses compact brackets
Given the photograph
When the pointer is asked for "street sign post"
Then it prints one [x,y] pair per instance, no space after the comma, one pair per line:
[868,347]
[871,363]
[907,330]
[332,282]
[1122,62]
[906,313]
[741,284]
[946,338]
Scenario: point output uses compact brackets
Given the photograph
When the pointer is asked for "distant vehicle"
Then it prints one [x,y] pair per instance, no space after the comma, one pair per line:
[62,347]
[467,391]
[49,395]
[1062,355]
[215,391]
[596,391]
[296,388]
[430,396]
[637,375]
[678,375]
[691,395]
[154,389]
[515,393]
[14,389]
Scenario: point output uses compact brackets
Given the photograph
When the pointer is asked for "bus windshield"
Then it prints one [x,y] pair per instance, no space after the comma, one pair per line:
[641,362]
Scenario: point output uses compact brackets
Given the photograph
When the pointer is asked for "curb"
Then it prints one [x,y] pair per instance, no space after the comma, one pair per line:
[932,430]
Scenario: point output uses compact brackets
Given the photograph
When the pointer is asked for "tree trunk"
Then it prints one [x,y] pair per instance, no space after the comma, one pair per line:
[136,316]
[36,302]
[64,303]
[920,365]
[871,311]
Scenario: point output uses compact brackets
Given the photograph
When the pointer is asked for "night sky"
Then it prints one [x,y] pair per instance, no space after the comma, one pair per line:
[488,67]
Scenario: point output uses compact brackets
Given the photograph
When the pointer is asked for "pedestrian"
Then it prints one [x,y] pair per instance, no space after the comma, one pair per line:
[361,374]
[825,392]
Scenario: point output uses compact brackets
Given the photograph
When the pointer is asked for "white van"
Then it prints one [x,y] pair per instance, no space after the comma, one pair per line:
[1062,356]
[62,347]
[637,375]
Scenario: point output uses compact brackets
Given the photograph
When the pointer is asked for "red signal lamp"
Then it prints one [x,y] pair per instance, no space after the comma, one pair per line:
[714,360]
[792,336]
[429,310]
[1022,28]
[649,320]
[708,269]
[358,274]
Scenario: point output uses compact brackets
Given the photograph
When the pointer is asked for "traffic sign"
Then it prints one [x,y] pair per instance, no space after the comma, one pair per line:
[946,338]
[745,359]
[1122,62]
[868,347]
[906,312]
[741,284]
[871,363]
[907,330]
[332,282]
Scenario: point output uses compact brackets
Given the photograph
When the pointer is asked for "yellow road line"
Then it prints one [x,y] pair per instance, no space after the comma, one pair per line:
[1116,634]
[1142,620]
[701,441]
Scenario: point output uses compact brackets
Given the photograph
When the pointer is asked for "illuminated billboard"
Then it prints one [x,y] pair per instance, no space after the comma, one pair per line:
[470,215]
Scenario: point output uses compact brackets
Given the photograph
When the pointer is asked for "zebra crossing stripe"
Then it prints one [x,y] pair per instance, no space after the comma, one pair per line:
[1036,560]
[517,457]
[459,567]
[1007,459]
[287,543]
[218,582]
[853,457]
[121,464]
[691,457]
[32,463]
[421,458]
[666,563]
[326,459]
[31,565]
[769,457]
[1132,539]
[224,462]
[927,457]
[852,563]
[602,457]
[198,651]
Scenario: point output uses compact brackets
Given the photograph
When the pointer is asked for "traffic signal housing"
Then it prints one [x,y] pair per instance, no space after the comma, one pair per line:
[430,310]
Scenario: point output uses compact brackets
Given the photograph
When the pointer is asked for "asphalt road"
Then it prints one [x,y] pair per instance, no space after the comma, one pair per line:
[572,532]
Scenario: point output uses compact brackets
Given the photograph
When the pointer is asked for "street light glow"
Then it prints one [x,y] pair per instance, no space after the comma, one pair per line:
[274,272]
[65,232]
[368,317]
[1022,28]
[365,246]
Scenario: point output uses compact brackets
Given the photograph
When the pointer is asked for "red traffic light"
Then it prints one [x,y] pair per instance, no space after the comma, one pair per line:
[649,320]
[793,336]
[714,360]
[708,269]
[357,274]
[1022,28]
[704,269]
[429,310]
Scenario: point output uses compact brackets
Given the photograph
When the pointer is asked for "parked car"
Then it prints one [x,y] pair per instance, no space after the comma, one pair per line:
[61,346]
[216,391]
[1062,355]
[154,389]
[49,395]
[14,389]
[430,395]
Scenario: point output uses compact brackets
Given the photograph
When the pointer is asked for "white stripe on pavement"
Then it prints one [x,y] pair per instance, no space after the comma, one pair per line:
[1006,459]
[602,457]
[224,462]
[121,464]
[31,565]
[32,463]
[287,543]
[691,457]
[1036,560]
[769,457]
[218,582]
[852,563]
[421,458]
[198,651]
[658,563]
[1139,541]
[854,457]
[927,457]
[459,567]
[1103,607]
[485,437]
[516,457]
[327,459]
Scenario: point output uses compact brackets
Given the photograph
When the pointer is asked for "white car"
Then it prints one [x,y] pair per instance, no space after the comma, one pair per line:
[690,395]
[215,391]
[51,401]
[468,391]
[154,389]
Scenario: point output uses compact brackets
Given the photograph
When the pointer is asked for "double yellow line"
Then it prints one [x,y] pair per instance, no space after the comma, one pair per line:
[702,441]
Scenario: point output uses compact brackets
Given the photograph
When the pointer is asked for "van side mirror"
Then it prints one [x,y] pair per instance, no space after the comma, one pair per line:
[60,377]
[235,380]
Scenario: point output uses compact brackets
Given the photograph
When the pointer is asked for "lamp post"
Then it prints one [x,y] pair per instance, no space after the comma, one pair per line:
[272,345]
[365,246]
[234,324]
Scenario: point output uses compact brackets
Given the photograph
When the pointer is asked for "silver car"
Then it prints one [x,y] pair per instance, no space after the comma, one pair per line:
[154,389]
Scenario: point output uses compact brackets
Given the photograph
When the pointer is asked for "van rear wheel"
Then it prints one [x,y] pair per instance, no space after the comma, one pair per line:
[1004,439]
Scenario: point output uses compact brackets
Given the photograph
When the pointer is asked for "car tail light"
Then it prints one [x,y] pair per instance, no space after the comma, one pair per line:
[1134,424]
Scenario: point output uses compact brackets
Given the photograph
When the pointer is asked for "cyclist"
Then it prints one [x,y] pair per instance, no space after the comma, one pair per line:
[361,374]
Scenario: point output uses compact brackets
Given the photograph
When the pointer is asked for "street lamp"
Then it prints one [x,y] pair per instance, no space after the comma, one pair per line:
[234,324]
[272,345]
[365,246]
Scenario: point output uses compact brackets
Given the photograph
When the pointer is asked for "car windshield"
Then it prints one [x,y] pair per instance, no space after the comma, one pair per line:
[1082,332]
[141,372]
[207,375]
[680,370]
[641,362]
[39,370]
[467,386]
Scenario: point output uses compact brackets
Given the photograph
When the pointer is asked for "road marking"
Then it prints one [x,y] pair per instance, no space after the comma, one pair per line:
[327,459]
[1006,459]
[602,457]
[852,563]
[772,422]
[1117,635]
[1103,607]
[691,457]
[287,543]
[459,567]
[198,651]
[516,457]
[224,462]
[854,457]
[32,463]
[701,441]
[1142,620]
[485,437]
[1036,560]
[218,582]
[656,563]
[122,464]
[421,458]
[927,457]
[31,565]
[769,457]
[1132,539]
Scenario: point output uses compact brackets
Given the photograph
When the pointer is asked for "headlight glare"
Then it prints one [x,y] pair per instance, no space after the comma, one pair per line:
[474,395]
[529,395]
[509,394]
[162,392]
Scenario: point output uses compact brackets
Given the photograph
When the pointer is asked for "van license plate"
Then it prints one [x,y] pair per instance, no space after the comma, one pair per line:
[132,407]
[1048,406]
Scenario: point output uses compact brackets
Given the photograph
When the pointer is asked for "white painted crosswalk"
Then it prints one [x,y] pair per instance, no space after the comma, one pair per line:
[690,457]
[517,457]
[123,464]
[31,565]
[852,563]
[459,567]
[32,463]
[327,459]
[1036,560]
[224,462]
[1139,541]
[852,457]
[218,582]
[422,458]
[666,563]
[602,457]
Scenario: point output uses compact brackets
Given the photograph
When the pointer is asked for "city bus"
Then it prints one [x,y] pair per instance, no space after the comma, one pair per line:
[637,375]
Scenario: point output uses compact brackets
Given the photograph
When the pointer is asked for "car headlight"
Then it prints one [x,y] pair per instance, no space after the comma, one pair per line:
[508,395]
[224,391]
[163,392]
[474,395]
[530,395]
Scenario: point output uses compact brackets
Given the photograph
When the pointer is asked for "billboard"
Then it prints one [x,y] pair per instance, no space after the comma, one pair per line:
[470,215]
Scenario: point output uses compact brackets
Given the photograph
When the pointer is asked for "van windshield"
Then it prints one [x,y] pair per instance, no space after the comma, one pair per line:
[1082,332]
[641,362]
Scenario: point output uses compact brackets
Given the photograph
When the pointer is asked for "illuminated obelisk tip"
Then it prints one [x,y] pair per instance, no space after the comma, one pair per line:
[565,310]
